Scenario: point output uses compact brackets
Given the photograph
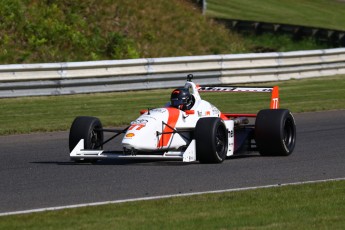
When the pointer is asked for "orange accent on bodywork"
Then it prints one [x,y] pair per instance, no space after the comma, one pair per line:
[143,111]
[167,131]
[137,126]
[190,112]
[223,116]
[275,98]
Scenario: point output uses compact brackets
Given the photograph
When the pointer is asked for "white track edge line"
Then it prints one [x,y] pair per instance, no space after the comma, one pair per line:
[162,197]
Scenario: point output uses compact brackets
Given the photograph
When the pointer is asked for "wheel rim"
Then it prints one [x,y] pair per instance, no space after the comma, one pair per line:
[220,141]
[289,133]
[95,140]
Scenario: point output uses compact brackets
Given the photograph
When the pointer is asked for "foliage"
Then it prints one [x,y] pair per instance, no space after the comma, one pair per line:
[60,30]
[63,31]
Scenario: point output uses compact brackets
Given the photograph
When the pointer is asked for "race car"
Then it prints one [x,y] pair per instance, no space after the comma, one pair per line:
[189,128]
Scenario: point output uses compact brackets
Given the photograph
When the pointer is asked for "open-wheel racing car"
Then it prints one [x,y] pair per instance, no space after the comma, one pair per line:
[190,129]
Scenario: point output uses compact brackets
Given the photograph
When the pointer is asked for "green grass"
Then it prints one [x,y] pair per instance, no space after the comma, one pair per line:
[58,31]
[317,13]
[84,30]
[268,42]
[310,206]
[53,113]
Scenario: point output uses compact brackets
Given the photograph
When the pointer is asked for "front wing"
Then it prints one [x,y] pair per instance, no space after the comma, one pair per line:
[79,153]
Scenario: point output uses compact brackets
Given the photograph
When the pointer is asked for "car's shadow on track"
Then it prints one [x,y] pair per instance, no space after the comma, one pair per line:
[143,162]
[118,162]
[243,156]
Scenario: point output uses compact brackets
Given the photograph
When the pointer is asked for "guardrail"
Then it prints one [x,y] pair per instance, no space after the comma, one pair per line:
[137,74]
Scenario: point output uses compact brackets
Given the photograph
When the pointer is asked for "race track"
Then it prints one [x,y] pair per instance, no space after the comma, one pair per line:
[35,170]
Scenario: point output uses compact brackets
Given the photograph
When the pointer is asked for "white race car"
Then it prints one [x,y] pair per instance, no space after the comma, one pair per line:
[190,129]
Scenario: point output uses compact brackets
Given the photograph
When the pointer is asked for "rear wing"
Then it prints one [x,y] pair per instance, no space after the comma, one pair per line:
[273,90]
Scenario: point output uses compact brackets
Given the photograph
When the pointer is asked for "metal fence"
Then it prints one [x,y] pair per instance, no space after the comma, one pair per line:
[138,74]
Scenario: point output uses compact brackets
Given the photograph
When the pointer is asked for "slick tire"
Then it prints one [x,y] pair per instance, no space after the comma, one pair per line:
[275,132]
[89,129]
[211,140]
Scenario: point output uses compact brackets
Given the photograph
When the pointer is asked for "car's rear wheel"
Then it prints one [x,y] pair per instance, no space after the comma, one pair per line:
[211,140]
[275,132]
[89,129]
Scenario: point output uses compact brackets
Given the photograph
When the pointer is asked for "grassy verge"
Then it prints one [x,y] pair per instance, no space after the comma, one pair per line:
[290,207]
[65,31]
[268,42]
[316,13]
[84,30]
[36,114]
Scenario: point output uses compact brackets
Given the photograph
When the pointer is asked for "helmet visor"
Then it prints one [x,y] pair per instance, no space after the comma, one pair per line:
[175,102]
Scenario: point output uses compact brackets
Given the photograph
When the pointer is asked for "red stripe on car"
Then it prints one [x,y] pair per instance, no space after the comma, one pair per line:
[167,131]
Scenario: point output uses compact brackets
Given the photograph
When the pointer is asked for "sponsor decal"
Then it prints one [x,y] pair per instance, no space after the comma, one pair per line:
[275,98]
[207,113]
[150,117]
[235,89]
[275,102]
[139,122]
[136,127]
[161,110]
[215,110]
[130,135]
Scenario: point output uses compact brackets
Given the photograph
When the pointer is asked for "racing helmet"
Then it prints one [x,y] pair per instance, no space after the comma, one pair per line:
[181,99]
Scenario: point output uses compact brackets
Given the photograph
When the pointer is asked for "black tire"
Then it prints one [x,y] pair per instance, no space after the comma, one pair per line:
[89,129]
[275,132]
[211,140]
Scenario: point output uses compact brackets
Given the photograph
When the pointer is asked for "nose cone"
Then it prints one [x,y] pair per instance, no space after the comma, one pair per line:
[145,133]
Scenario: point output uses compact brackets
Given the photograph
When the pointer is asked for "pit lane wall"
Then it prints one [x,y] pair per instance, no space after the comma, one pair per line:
[137,74]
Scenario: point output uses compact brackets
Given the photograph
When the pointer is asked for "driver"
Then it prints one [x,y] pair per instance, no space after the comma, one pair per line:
[181,99]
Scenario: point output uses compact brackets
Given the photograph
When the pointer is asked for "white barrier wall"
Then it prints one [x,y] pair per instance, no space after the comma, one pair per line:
[136,74]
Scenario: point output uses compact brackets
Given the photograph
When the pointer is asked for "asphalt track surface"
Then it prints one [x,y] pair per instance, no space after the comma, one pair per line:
[35,170]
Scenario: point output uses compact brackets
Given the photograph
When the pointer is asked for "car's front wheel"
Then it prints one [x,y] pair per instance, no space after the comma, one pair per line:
[211,140]
[89,129]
